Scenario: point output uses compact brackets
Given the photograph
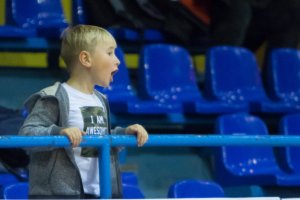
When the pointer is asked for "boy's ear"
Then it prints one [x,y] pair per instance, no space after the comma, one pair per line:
[85,58]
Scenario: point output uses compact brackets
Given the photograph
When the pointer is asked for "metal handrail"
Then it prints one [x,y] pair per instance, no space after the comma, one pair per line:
[104,143]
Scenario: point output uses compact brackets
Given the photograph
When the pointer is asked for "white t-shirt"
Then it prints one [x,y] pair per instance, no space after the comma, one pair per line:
[88,113]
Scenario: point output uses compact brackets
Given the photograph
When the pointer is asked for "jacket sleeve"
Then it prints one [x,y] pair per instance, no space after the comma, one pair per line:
[42,121]
[118,131]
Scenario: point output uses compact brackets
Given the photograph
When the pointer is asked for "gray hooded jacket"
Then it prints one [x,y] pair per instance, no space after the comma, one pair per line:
[53,171]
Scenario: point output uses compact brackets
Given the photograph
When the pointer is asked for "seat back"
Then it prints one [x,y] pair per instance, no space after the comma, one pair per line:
[5,180]
[195,189]
[45,13]
[129,178]
[16,191]
[121,88]
[289,125]
[232,75]
[132,192]
[283,74]
[241,160]
[166,72]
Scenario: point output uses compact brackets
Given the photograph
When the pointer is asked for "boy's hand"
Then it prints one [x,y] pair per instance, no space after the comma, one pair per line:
[74,134]
[141,133]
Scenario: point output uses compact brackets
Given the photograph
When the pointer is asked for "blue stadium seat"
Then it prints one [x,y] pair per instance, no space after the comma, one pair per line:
[123,99]
[289,156]
[125,34]
[46,16]
[5,180]
[12,31]
[131,189]
[132,192]
[9,179]
[240,165]
[195,189]
[129,178]
[16,191]
[146,35]
[232,76]
[166,74]
[283,76]
[153,35]
[129,34]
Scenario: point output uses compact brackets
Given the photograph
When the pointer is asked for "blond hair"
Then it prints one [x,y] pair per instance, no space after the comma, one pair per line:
[82,38]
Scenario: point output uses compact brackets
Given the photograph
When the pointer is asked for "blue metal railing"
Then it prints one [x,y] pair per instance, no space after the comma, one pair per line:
[104,143]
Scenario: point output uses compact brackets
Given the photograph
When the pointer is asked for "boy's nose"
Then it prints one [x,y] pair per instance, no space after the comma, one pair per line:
[117,61]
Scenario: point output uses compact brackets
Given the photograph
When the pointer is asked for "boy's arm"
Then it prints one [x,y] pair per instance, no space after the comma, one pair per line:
[118,131]
[43,119]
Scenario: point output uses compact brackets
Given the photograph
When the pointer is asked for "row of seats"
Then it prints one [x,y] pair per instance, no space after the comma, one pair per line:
[232,79]
[12,188]
[20,191]
[240,165]
[190,188]
[167,82]
[252,165]
[46,18]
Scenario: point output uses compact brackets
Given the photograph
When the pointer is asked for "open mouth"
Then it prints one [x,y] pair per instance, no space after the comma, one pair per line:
[113,73]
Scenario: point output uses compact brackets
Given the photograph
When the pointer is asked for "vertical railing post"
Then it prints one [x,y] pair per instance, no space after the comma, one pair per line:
[104,170]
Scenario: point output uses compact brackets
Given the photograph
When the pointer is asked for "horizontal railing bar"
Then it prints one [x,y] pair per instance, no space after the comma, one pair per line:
[105,142]
[49,141]
[208,140]
[154,140]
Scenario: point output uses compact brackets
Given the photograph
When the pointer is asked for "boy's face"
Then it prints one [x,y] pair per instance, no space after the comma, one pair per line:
[104,64]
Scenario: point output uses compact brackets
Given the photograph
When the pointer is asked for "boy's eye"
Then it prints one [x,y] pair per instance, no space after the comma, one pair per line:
[110,53]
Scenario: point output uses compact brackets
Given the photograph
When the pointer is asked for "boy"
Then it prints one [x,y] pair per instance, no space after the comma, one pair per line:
[74,109]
